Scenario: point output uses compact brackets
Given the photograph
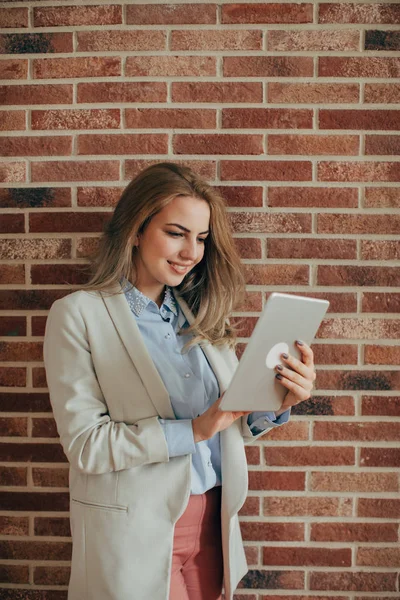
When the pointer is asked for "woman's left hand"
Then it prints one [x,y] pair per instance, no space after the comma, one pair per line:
[298,379]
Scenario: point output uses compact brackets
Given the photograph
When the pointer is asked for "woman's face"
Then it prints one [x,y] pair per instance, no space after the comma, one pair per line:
[171,245]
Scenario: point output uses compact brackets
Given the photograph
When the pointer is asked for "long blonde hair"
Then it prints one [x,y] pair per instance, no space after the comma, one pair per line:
[214,287]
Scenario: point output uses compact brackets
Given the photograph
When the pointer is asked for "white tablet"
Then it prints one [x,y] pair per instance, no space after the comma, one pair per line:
[285,319]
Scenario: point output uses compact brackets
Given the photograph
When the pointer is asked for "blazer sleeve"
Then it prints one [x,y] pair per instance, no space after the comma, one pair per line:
[92,442]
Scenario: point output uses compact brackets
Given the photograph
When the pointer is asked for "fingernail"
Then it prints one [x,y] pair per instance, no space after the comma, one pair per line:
[299,343]
[284,355]
[279,367]
[278,376]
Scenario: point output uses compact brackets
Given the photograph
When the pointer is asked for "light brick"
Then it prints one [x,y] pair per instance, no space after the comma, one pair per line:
[14,17]
[310,506]
[362,328]
[354,482]
[381,355]
[170,66]
[353,581]
[312,93]
[347,12]
[76,119]
[382,93]
[90,66]
[12,120]
[356,431]
[114,40]
[217,144]
[13,69]
[313,144]
[313,41]
[210,91]
[12,172]
[238,39]
[358,171]
[56,16]
[162,14]
[266,118]
[358,223]
[250,170]
[337,66]
[267,13]
[380,250]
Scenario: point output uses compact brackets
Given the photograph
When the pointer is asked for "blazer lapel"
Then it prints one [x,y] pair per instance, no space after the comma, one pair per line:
[129,332]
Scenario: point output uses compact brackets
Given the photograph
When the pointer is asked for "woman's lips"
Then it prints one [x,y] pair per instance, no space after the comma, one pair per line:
[178,268]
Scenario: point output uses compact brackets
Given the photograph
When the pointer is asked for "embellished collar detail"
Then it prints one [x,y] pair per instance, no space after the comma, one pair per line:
[138,301]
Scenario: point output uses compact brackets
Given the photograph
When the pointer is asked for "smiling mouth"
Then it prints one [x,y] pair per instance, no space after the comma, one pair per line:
[179,268]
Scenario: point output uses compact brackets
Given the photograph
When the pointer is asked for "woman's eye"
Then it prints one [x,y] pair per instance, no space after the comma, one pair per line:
[174,233]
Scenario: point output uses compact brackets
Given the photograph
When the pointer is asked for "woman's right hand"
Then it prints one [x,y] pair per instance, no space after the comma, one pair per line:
[214,420]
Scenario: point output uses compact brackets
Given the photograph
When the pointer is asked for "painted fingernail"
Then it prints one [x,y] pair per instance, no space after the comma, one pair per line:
[299,343]
[284,355]
[278,376]
[279,367]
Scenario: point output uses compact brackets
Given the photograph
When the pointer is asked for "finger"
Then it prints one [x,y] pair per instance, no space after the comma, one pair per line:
[304,382]
[300,392]
[296,365]
[307,355]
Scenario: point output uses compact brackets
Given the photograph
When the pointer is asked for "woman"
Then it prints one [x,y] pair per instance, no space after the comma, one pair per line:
[136,364]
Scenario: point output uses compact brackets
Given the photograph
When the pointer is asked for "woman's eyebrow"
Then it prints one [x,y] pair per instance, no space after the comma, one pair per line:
[185,228]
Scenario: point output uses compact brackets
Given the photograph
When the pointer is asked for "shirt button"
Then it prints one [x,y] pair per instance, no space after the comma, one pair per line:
[167,336]
[187,375]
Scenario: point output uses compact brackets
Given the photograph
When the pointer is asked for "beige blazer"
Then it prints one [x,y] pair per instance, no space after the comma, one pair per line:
[126,494]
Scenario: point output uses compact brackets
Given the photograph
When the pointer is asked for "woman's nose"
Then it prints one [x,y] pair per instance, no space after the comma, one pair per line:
[190,250]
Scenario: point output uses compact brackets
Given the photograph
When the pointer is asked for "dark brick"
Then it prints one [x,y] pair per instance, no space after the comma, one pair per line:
[377,39]
[34,501]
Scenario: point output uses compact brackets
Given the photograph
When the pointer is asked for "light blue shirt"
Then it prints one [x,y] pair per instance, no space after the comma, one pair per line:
[191,385]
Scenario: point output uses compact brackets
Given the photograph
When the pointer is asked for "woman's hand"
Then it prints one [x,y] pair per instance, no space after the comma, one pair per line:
[298,379]
[213,421]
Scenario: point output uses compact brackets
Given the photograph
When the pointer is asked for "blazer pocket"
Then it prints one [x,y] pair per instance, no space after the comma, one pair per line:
[110,507]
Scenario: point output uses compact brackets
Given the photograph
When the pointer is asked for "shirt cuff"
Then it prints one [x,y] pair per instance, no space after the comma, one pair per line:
[179,436]
[259,421]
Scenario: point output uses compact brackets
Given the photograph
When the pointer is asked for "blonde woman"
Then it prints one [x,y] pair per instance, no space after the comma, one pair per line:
[136,364]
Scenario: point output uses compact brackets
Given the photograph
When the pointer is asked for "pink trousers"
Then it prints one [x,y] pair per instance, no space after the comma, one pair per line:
[197,567]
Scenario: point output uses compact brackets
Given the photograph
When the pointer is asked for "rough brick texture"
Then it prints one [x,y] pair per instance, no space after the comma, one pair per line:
[292,110]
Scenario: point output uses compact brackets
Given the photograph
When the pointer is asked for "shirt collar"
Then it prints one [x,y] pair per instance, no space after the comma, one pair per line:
[138,301]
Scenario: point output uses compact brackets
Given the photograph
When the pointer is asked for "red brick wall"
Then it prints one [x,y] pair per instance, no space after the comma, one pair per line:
[292,110]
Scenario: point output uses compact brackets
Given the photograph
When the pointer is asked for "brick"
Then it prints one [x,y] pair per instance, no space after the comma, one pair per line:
[34,43]
[174,118]
[356,275]
[358,380]
[354,482]
[313,144]
[13,426]
[358,171]
[380,405]
[99,170]
[313,41]
[382,144]
[14,17]
[68,221]
[252,302]
[83,66]
[12,223]
[312,93]
[265,170]
[266,118]
[382,40]
[14,476]
[77,15]
[173,14]
[12,172]
[307,557]
[359,13]
[253,455]
[47,477]
[14,573]
[248,247]
[378,557]
[335,354]
[357,224]
[294,431]
[13,69]
[272,580]
[31,452]
[170,66]
[127,143]
[269,597]
[36,146]
[238,39]
[357,431]
[85,247]
[313,197]
[24,402]
[35,249]
[14,525]
[380,508]
[187,143]
[272,531]
[250,196]
[275,480]
[385,93]
[114,40]
[203,168]
[380,302]
[307,248]
[34,501]
[337,66]
[382,197]
[251,553]
[51,575]
[134,91]
[12,274]
[12,120]
[277,274]
[380,250]
[99,196]
[380,457]
[359,119]
[353,581]
[35,94]
[52,526]
[363,328]
[76,119]
[29,550]
[308,456]
[39,377]
[197,91]
[12,326]
[34,198]
[38,325]
[69,274]
[307,507]
[267,13]
[251,507]
[325,405]
[13,376]
[381,355]
[21,351]
[268,66]
[354,532]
